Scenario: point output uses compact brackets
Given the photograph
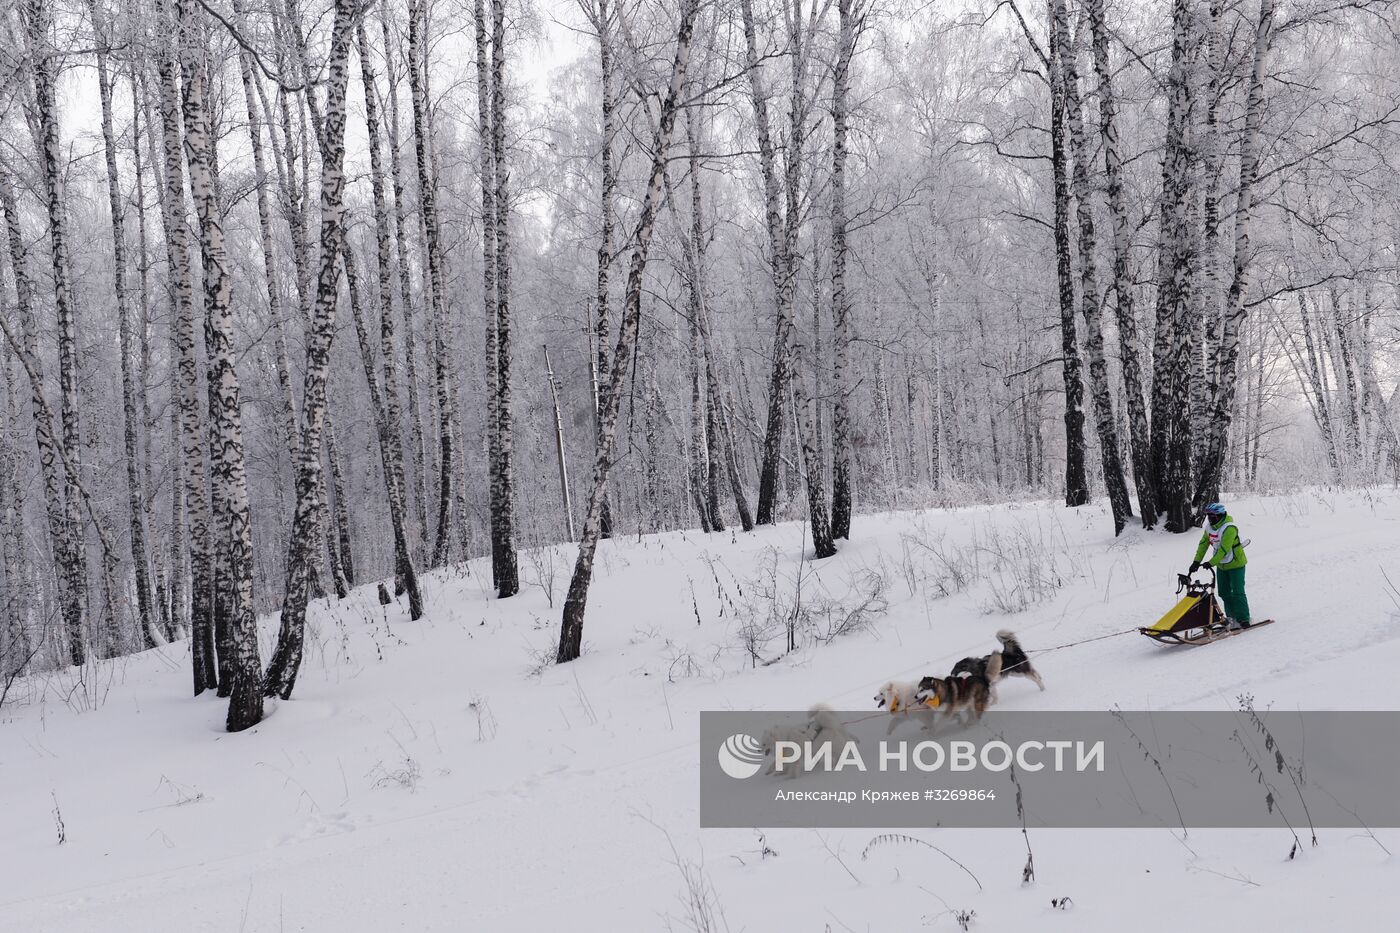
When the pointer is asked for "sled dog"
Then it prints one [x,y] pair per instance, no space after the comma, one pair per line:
[969,694]
[821,727]
[900,697]
[1013,662]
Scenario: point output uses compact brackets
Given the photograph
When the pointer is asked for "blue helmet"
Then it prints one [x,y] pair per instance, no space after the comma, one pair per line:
[1215,508]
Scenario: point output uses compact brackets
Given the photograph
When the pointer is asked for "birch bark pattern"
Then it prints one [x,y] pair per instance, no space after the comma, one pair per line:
[782,277]
[391,440]
[1105,421]
[417,491]
[840,300]
[487,176]
[571,629]
[713,421]
[1173,342]
[427,197]
[38,20]
[602,22]
[1126,315]
[506,570]
[281,675]
[228,468]
[60,530]
[163,583]
[1213,462]
[196,498]
[405,577]
[1076,480]
[136,497]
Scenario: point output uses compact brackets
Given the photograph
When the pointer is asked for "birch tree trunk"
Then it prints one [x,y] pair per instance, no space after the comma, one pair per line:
[179,576]
[713,418]
[343,564]
[427,197]
[571,629]
[696,445]
[699,446]
[136,496]
[1344,361]
[840,301]
[602,24]
[281,361]
[507,571]
[805,406]
[61,541]
[485,107]
[333,517]
[417,491]
[38,17]
[1076,480]
[1126,317]
[45,425]
[1105,421]
[386,430]
[196,498]
[228,469]
[281,674]
[388,410]
[1383,426]
[782,277]
[149,483]
[1174,340]
[1213,462]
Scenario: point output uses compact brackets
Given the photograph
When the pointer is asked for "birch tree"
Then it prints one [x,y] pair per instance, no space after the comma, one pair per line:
[240,672]
[427,200]
[1076,480]
[386,400]
[503,559]
[840,300]
[61,531]
[1174,340]
[1126,314]
[1223,385]
[130,428]
[38,20]
[195,510]
[571,630]
[280,678]
[1102,393]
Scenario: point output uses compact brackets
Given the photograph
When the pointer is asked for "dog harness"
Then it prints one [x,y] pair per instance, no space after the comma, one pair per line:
[932,703]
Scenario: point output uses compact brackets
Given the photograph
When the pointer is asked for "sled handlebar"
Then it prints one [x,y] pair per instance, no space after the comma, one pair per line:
[1184,581]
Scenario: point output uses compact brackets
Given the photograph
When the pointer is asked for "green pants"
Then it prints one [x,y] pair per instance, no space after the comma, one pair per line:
[1230,584]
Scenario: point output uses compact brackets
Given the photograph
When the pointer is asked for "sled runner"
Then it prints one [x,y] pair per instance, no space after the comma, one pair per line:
[1196,619]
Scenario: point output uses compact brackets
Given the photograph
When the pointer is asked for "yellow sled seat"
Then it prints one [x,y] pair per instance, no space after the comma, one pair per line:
[1176,614]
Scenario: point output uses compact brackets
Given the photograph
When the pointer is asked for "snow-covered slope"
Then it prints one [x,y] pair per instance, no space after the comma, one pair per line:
[437,776]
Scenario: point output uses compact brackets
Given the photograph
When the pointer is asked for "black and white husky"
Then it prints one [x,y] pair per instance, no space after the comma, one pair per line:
[1014,662]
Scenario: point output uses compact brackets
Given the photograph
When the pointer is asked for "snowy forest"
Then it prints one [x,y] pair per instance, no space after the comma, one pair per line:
[303,295]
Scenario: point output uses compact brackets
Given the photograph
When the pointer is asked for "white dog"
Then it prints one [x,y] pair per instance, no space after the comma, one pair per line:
[821,727]
[900,697]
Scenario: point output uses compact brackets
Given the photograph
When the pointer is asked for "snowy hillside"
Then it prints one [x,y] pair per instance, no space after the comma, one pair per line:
[441,775]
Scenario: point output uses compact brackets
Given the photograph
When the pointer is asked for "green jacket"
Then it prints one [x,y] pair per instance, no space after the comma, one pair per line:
[1229,552]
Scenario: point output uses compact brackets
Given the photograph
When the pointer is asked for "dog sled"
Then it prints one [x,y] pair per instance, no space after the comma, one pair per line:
[1196,619]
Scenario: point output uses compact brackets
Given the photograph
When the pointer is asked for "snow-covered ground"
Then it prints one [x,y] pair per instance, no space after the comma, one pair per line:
[437,776]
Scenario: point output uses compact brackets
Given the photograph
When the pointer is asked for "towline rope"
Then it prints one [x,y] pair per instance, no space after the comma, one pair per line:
[1085,641]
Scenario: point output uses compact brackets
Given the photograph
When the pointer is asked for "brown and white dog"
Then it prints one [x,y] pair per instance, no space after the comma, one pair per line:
[968,694]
